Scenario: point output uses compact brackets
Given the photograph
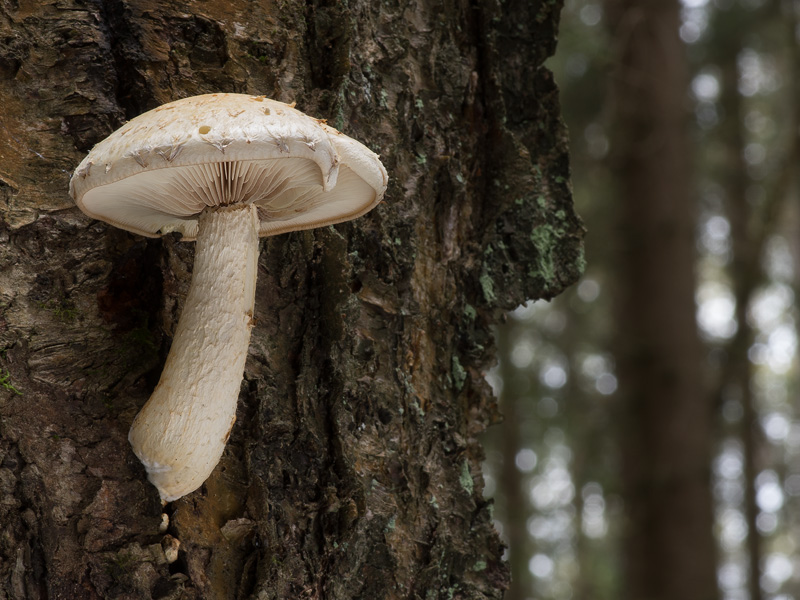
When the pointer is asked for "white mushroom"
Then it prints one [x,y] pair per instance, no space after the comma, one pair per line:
[223,169]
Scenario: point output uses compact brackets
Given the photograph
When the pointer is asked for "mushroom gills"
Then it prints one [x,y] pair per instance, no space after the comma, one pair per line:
[177,195]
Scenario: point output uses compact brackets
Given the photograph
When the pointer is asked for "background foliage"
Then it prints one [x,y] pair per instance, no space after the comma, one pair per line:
[554,464]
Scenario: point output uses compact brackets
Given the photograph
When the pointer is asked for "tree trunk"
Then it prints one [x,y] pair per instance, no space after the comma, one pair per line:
[513,491]
[746,276]
[353,470]
[666,416]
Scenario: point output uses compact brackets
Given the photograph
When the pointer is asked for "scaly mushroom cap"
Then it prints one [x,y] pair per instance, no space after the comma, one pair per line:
[158,172]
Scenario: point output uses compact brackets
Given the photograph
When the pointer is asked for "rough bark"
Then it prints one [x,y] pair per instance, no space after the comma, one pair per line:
[666,422]
[353,470]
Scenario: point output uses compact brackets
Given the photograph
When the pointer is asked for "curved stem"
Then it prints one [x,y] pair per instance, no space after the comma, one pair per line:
[179,435]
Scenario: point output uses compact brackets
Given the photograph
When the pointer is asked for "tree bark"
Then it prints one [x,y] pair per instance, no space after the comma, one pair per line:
[666,419]
[353,470]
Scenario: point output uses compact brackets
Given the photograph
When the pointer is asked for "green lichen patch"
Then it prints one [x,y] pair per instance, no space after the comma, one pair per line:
[470,312]
[459,373]
[487,285]
[63,309]
[6,383]
[544,239]
[465,479]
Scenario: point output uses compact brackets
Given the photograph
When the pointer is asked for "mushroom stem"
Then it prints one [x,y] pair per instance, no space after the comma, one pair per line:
[179,435]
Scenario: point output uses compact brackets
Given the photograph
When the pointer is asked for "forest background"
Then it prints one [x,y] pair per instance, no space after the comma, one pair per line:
[651,442]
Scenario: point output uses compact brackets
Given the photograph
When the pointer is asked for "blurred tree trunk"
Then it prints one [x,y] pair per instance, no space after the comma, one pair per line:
[665,418]
[513,496]
[353,470]
[746,275]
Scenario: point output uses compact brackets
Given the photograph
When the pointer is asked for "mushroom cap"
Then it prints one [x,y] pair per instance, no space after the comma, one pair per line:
[159,171]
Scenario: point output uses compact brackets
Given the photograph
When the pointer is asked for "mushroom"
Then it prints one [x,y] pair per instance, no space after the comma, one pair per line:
[221,169]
